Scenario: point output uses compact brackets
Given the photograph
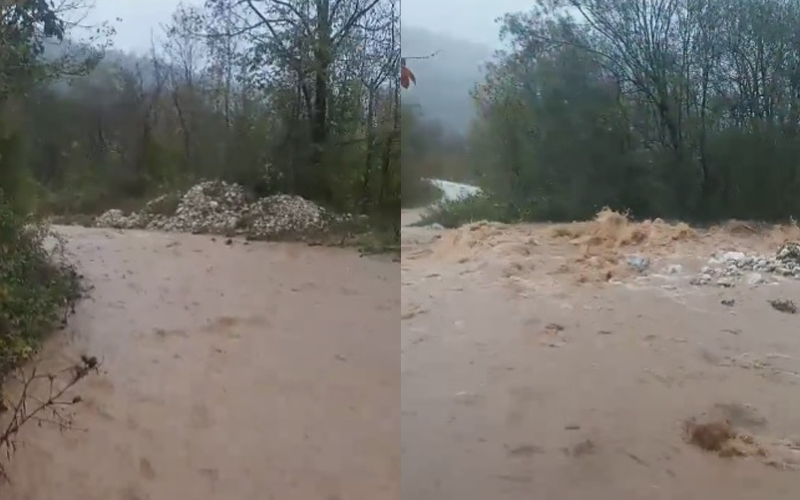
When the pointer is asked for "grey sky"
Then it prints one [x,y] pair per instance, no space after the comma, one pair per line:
[466,19]
[139,19]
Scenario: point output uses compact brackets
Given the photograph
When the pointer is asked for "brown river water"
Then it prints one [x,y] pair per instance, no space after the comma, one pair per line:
[533,363]
[236,371]
[526,375]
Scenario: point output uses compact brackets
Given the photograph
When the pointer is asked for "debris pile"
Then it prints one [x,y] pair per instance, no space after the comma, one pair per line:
[281,214]
[217,207]
[724,269]
[114,218]
[213,207]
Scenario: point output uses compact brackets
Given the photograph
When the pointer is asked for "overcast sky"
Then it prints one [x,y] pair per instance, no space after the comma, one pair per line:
[467,19]
[139,19]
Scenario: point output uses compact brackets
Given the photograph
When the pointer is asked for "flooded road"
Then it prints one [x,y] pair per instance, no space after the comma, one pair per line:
[236,371]
[524,378]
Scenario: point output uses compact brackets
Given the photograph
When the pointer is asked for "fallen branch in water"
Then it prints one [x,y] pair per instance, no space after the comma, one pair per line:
[49,409]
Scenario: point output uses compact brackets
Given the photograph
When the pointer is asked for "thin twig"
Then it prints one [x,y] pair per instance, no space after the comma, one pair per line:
[23,411]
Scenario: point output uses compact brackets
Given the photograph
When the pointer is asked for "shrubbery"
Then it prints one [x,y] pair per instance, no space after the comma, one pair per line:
[37,286]
[490,207]
[456,213]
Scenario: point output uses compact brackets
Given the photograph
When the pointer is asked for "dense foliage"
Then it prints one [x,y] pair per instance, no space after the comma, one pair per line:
[37,286]
[673,108]
[230,90]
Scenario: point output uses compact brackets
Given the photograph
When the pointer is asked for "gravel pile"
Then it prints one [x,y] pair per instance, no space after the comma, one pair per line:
[725,269]
[216,207]
[113,218]
[282,214]
[213,207]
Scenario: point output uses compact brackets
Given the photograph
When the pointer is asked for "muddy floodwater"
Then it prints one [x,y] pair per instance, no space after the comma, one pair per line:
[230,370]
[536,366]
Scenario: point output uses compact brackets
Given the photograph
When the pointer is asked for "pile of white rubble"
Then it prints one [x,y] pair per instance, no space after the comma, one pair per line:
[217,207]
[725,269]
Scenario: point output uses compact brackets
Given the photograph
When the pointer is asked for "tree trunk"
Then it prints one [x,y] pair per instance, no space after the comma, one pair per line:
[394,137]
[366,188]
[187,136]
[319,124]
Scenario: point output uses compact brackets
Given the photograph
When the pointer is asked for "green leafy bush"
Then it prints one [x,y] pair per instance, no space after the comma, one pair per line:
[37,285]
[456,213]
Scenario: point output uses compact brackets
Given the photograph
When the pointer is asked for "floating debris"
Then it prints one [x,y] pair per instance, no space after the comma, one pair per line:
[784,306]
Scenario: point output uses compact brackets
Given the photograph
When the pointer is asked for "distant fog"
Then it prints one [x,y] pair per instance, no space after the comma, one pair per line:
[444,82]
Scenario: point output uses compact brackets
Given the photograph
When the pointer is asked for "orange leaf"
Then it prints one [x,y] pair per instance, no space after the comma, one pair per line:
[407,77]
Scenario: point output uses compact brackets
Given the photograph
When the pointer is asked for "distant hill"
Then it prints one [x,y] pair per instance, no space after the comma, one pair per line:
[445,81]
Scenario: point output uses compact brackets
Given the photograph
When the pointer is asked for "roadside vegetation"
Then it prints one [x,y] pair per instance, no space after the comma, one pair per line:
[455,213]
[38,286]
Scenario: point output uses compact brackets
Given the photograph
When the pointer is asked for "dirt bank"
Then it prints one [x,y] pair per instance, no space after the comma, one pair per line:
[246,371]
[524,377]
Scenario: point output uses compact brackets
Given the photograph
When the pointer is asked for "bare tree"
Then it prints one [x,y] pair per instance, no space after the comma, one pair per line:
[302,37]
[184,54]
[376,54]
